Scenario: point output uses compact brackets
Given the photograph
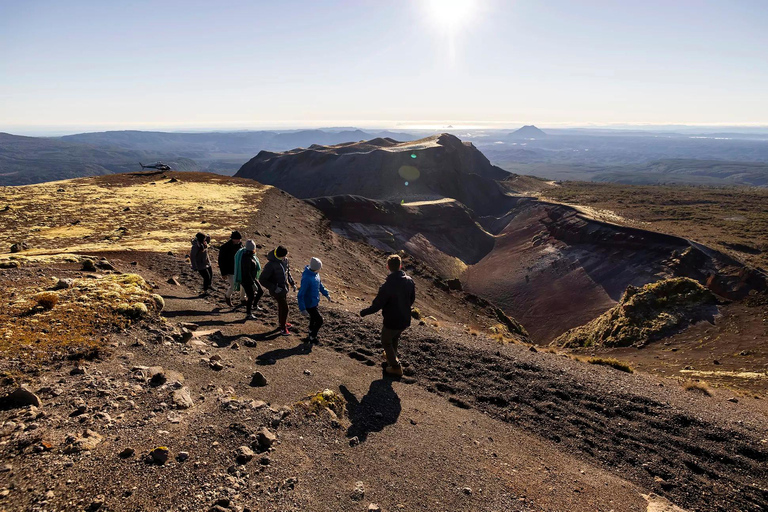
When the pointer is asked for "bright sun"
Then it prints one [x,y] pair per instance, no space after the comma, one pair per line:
[450,15]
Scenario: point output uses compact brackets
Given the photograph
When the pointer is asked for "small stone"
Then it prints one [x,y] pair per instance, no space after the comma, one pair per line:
[235,346]
[77,370]
[533,349]
[358,492]
[157,375]
[467,490]
[182,399]
[258,380]
[217,366]
[223,502]
[182,456]
[215,357]
[265,439]
[159,455]
[96,504]
[307,372]
[373,507]
[63,284]
[734,400]
[354,441]
[243,455]
[258,404]
[87,442]
[265,461]
[127,453]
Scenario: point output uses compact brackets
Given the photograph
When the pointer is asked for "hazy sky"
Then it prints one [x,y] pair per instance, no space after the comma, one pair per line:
[192,64]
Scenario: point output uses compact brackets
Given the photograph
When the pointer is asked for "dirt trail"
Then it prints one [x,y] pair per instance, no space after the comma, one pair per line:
[470,462]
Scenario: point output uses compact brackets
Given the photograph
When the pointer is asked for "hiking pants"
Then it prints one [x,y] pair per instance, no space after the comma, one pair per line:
[389,341]
[315,321]
[254,292]
[207,274]
[230,278]
[282,307]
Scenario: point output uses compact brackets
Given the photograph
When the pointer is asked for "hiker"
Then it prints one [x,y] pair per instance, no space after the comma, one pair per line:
[198,257]
[246,275]
[275,277]
[309,297]
[395,298]
[227,265]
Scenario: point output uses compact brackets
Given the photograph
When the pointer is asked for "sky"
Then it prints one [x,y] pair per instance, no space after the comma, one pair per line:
[401,63]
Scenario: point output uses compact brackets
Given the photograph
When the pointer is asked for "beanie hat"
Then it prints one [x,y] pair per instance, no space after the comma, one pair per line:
[235,235]
[200,237]
[250,246]
[315,264]
[281,251]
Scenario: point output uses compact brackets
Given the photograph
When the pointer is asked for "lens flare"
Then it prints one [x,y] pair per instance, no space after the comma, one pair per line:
[409,173]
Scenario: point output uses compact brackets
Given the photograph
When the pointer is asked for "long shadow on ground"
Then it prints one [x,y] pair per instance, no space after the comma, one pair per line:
[267,358]
[377,409]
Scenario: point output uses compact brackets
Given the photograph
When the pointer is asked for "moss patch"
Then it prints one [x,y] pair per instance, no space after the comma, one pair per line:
[326,399]
[37,325]
[644,315]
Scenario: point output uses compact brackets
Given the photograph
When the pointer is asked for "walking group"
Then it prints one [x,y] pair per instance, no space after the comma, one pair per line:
[246,280]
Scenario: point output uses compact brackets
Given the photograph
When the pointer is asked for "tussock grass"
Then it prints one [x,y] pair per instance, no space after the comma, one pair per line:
[613,363]
[697,386]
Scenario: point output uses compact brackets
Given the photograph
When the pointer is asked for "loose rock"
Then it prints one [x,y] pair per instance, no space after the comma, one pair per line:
[358,493]
[159,455]
[243,455]
[258,380]
[182,399]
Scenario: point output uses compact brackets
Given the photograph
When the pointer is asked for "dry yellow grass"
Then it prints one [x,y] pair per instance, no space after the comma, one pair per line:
[697,386]
[147,213]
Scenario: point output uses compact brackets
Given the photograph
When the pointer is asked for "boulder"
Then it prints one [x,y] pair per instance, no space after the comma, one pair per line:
[265,439]
[243,455]
[19,397]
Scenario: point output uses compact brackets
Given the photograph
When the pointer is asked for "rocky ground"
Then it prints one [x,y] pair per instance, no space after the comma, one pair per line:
[168,416]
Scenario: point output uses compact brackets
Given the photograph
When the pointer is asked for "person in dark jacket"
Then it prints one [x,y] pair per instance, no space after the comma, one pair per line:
[309,297]
[198,257]
[227,264]
[246,276]
[276,277]
[394,300]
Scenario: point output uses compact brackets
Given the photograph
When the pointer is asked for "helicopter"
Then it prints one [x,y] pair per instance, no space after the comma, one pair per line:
[160,166]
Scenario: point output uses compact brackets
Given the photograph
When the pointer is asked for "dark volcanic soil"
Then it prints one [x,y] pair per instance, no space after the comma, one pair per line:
[703,453]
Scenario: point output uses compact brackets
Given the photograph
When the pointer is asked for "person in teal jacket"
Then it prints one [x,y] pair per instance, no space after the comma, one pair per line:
[247,270]
[309,297]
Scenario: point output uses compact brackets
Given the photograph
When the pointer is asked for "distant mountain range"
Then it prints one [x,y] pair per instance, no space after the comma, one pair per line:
[26,160]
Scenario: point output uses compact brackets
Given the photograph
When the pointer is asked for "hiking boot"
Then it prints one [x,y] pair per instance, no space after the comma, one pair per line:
[288,325]
[250,316]
[285,332]
[258,308]
[228,301]
[314,339]
[395,371]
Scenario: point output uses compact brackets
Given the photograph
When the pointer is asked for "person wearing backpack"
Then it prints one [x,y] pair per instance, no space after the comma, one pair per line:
[246,274]
[276,277]
[227,265]
[198,258]
[309,297]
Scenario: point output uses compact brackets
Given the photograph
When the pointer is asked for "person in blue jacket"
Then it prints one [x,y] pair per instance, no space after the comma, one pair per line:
[309,297]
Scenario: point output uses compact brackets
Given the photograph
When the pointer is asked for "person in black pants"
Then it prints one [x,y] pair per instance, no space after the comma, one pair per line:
[309,297]
[250,269]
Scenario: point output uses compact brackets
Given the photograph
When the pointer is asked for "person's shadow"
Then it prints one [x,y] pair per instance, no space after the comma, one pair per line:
[377,409]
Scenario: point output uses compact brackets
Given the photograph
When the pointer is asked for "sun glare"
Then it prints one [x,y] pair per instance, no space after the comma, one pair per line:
[451,15]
